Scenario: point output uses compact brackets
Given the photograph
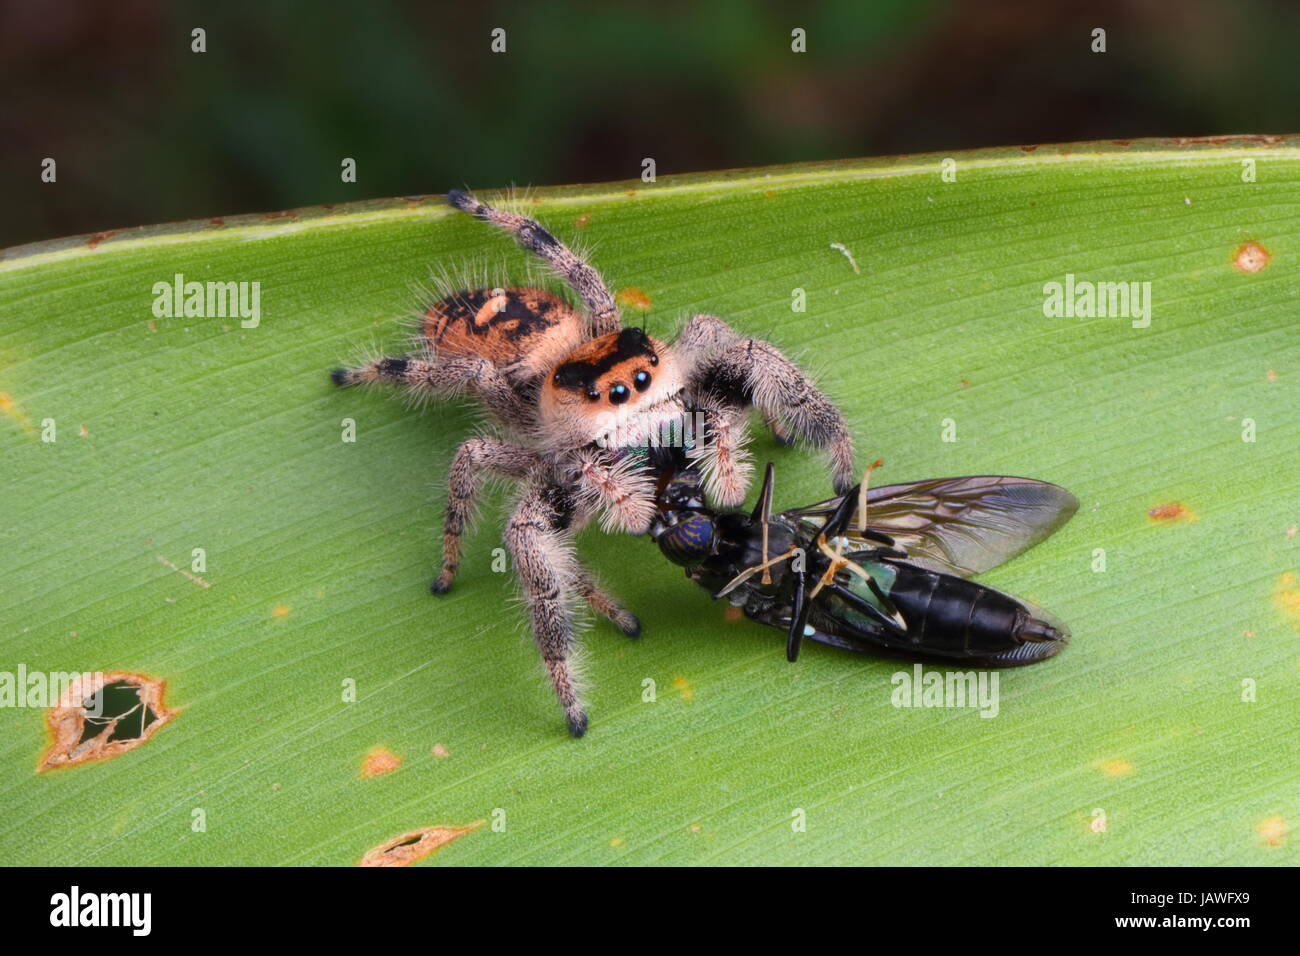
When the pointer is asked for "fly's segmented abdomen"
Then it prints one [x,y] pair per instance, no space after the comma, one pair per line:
[953,617]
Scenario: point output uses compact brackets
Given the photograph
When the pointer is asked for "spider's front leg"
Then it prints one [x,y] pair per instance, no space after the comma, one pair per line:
[567,264]
[474,459]
[541,547]
[738,372]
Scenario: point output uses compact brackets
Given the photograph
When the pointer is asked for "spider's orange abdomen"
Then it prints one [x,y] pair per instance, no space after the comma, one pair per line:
[500,325]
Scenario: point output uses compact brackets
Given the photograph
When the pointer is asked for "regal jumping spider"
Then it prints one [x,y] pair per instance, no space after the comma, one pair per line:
[563,383]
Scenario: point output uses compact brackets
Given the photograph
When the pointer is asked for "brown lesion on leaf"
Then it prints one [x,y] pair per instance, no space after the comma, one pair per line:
[1172,511]
[683,687]
[1273,831]
[1115,767]
[100,716]
[10,409]
[633,298]
[379,761]
[99,237]
[415,846]
[1286,596]
[1251,257]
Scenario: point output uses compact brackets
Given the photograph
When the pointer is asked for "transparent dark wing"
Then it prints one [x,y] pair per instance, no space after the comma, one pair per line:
[958,526]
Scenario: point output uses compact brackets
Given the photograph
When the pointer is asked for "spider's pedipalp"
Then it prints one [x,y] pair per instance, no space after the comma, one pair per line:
[723,457]
[602,310]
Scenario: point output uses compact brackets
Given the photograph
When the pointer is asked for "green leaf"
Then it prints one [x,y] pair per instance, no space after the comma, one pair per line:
[1165,734]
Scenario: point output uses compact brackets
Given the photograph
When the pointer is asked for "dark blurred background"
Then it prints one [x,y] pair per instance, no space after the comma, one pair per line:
[145,131]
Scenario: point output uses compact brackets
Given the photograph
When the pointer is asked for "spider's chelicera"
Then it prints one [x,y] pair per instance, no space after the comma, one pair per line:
[585,402]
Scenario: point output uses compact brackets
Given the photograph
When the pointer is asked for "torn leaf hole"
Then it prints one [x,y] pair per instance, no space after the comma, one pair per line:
[120,709]
[415,846]
[99,716]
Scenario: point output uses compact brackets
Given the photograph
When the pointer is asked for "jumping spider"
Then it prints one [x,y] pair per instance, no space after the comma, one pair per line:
[561,383]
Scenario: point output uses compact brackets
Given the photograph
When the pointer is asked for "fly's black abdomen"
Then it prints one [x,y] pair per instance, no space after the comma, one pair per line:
[953,617]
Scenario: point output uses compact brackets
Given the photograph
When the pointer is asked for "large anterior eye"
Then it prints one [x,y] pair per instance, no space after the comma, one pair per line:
[641,380]
[618,394]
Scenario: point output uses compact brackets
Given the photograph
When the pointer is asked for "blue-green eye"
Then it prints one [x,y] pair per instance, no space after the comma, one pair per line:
[618,394]
[641,380]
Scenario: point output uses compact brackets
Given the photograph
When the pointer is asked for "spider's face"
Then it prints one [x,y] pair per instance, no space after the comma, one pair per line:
[611,389]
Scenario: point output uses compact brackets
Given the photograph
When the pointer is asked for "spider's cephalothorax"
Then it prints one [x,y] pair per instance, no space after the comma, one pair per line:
[585,401]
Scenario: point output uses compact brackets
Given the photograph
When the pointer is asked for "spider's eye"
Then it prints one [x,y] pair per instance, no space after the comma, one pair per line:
[618,394]
[593,395]
[641,380]
[654,359]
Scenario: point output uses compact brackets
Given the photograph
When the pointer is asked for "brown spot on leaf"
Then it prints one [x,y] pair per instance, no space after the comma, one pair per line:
[100,716]
[99,237]
[1286,596]
[379,761]
[684,688]
[10,409]
[1118,767]
[733,614]
[279,611]
[1263,139]
[1173,511]
[216,221]
[415,846]
[441,752]
[282,214]
[1273,831]
[583,220]
[1028,149]
[1251,257]
[633,298]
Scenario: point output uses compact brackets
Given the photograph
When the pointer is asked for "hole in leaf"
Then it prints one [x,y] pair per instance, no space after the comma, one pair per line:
[99,716]
[416,845]
[120,709]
